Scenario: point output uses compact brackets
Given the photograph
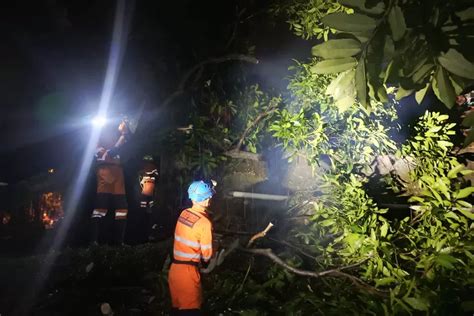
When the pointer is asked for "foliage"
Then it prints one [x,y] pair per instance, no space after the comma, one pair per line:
[227,124]
[305,16]
[409,45]
[313,126]
[401,263]
[411,258]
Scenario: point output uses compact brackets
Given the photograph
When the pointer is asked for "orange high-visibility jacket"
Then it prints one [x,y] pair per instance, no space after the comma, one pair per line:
[109,172]
[193,236]
[149,174]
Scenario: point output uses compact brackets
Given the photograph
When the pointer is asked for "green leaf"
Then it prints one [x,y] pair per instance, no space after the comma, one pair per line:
[334,65]
[391,73]
[458,87]
[360,5]
[436,195]
[361,82]
[337,48]
[463,193]
[349,22]
[345,103]
[444,144]
[453,173]
[402,93]
[455,63]
[443,117]
[467,14]
[416,303]
[384,281]
[384,229]
[443,88]
[446,261]
[420,94]
[388,48]
[396,20]
[342,90]
[468,214]
[420,75]
[327,222]
[342,85]
[362,36]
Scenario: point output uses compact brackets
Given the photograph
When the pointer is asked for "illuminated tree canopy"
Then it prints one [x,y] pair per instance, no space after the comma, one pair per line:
[412,46]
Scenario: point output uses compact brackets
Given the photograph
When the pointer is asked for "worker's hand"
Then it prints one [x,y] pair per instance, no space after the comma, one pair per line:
[212,264]
[123,127]
[100,152]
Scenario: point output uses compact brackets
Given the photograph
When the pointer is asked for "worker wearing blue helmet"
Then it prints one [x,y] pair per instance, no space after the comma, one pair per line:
[192,248]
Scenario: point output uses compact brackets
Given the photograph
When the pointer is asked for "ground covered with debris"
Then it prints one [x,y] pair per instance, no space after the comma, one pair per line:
[89,281]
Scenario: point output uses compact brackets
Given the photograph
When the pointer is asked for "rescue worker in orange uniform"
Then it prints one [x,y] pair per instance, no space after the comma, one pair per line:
[110,186]
[192,249]
[148,176]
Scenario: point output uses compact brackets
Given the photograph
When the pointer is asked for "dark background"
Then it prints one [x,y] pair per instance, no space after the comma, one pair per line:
[53,62]
[54,56]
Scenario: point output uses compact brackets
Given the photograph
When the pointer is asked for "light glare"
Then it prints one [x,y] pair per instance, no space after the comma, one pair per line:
[99,121]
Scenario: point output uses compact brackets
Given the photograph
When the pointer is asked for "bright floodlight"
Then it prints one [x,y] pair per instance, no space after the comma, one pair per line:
[99,121]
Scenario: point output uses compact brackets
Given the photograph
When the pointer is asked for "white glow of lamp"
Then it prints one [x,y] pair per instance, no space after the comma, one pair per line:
[99,121]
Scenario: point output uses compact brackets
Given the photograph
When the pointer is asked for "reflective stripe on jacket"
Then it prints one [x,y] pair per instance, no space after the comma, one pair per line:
[193,236]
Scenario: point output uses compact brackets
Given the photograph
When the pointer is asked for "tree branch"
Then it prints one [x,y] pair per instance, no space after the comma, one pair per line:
[216,60]
[260,234]
[255,123]
[332,272]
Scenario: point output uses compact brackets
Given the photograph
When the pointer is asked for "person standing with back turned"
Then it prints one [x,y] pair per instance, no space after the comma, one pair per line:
[192,249]
[110,185]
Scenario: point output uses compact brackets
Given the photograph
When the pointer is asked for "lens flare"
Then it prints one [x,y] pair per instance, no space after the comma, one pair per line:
[99,121]
[116,52]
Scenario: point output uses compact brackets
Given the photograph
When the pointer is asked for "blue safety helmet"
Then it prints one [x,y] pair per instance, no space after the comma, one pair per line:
[200,191]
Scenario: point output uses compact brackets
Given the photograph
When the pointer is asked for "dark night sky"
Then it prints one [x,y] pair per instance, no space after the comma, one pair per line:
[54,56]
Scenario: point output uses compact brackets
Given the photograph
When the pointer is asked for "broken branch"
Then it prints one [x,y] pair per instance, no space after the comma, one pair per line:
[332,272]
[260,234]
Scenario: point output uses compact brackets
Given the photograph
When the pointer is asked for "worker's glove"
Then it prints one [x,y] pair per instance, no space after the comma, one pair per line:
[212,263]
[219,256]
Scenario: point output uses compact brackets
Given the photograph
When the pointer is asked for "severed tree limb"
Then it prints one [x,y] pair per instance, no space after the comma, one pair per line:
[260,234]
[216,60]
[332,272]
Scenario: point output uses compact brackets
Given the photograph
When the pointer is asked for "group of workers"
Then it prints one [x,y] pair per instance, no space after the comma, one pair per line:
[111,193]
[193,244]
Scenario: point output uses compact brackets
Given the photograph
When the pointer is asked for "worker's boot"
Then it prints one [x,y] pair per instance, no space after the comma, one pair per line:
[95,228]
[120,226]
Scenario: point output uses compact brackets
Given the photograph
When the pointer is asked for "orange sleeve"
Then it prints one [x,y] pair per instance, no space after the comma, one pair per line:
[206,240]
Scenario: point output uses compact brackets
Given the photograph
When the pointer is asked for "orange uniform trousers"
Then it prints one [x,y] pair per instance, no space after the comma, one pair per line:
[185,286]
